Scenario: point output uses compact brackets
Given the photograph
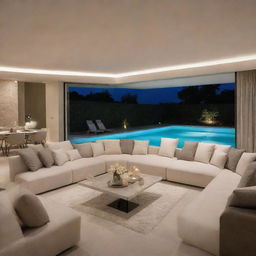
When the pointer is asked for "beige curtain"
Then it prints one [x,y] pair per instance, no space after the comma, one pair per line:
[246,110]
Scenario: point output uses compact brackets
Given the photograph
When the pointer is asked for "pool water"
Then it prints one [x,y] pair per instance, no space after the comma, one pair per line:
[214,135]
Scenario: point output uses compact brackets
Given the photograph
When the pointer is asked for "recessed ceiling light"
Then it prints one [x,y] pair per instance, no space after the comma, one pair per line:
[129,74]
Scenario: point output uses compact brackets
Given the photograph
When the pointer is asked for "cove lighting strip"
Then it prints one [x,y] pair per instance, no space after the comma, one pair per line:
[129,74]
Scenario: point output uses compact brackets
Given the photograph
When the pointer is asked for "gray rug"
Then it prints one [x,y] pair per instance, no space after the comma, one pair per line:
[154,204]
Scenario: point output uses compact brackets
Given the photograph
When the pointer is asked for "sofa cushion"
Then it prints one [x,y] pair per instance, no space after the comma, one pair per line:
[60,157]
[198,223]
[36,147]
[126,146]
[97,149]
[73,154]
[112,147]
[151,164]
[65,145]
[244,162]
[244,197]
[234,155]
[109,160]
[188,151]
[249,176]
[140,147]
[45,179]
[46,157]
[219,158]
[31,211]
[192,172]
[85,149]
[85,168]
[167,147]
[31,159]
[204,152]
[223,148]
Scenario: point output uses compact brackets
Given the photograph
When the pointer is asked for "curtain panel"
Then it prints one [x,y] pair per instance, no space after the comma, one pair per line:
[246,110]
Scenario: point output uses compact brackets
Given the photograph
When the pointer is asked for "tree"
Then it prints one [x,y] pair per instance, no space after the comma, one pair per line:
[226,97]
[129,98]
[75,96]
[189,95]
[104,96]
[208,93]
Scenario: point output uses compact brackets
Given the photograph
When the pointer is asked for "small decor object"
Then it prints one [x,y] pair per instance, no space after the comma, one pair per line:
[134,174]
[117,171]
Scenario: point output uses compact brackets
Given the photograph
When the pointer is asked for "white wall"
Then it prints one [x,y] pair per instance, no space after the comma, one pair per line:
[55,111]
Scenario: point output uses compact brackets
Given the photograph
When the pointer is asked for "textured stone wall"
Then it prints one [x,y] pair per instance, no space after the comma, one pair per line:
[8,103]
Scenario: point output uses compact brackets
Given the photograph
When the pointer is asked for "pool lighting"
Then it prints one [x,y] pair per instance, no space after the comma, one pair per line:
[132,73]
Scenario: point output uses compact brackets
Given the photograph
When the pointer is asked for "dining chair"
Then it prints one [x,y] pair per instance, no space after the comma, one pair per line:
[2,140]
[38,137]
[15,140]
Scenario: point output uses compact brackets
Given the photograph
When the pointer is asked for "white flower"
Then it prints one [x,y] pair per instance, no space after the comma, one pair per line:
[117,168]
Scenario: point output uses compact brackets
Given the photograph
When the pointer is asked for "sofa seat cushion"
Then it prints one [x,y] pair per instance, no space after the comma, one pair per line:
[151,164]
[45,179]
[61,233]
[114,159]
[85,168]
[192,172]
[203,213]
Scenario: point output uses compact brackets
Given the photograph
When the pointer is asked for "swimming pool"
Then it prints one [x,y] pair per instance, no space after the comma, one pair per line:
[216,135]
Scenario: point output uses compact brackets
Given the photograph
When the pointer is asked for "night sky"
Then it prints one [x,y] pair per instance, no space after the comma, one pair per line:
[145,96]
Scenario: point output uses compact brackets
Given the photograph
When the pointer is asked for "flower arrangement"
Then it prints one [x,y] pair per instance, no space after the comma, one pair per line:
[117,169]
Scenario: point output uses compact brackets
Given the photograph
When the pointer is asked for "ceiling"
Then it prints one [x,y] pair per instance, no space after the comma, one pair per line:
[113,37]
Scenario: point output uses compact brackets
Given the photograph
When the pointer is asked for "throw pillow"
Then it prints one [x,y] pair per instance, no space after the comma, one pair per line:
[36,148]
[73,154]
[112,147]
[65,145]
[167,147]
[46,157]
[31,211]
[244,162]
[188,151]
[234,155]
[31,159]
[244,197]
[249,176]
[140,147]
[60,157]
[97,149]
[85,149]
[219,158]
[223,148]
[204,152]
[126,146]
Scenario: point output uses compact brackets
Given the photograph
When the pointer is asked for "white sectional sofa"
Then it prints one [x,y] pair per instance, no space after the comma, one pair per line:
[45,179]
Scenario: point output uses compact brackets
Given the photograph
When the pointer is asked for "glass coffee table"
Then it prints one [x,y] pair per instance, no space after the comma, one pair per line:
[124,194]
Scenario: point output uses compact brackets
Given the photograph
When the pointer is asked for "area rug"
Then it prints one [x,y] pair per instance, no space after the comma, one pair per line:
[154,204]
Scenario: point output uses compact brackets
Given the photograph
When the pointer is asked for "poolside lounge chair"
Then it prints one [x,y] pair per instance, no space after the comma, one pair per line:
[92,127]
[102,126]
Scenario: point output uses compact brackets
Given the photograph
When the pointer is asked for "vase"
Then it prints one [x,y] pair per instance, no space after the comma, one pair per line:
[117,179]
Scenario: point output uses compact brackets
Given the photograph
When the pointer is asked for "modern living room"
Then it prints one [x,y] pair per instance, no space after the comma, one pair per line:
[127,127]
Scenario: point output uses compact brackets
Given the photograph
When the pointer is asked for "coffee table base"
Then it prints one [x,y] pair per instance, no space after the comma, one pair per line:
[123,205]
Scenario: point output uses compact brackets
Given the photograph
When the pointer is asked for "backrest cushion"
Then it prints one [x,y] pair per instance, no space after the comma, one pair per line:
[219,158]
[167,147]
[112,147]
[31,211]
[65,145]
[244,197]
[249,176]
[31,159]
[73,154]
[234,155]
[97,149]
[188,151]
[85,149]
[37,147]
[153,150]
[223,148]
[10,230]
[140,147]
[126,146]
[204,152]
[46,157]
[60,157]
[244,162]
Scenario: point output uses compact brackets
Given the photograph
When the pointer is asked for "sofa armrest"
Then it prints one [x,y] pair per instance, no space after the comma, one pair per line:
[238,232]
[16,166]
[153,150]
